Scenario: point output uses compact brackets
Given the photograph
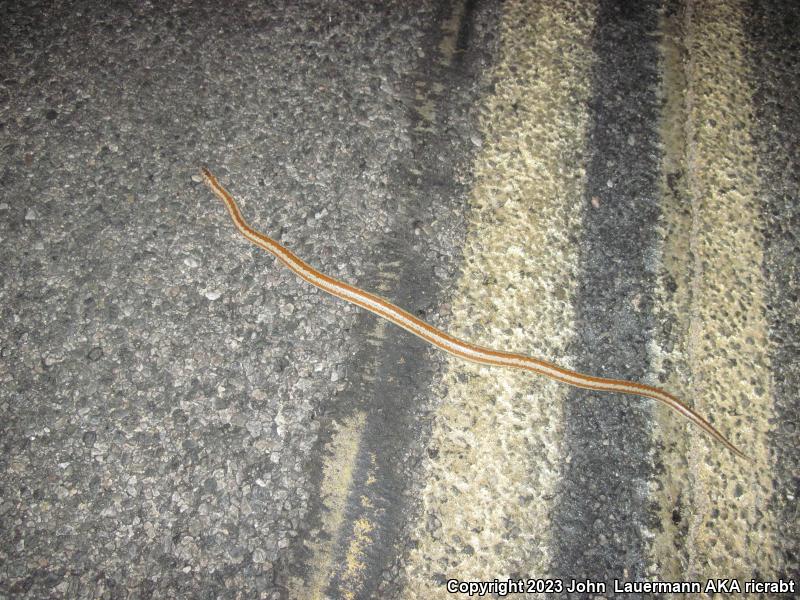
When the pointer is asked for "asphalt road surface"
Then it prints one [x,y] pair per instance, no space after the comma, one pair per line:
[611,186]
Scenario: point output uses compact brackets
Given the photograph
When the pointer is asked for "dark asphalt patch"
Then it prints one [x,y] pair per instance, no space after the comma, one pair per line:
[772,28]
[601,504]
[390,376]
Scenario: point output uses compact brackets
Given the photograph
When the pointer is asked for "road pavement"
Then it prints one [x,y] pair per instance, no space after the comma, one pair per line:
[609,186]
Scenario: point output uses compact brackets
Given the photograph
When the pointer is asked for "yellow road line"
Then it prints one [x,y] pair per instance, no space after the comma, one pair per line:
[730,533]
[337,480]
[497,433]
[672,493]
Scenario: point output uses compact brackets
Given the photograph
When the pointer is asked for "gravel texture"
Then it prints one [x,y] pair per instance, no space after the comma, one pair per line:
[181,417]
[164,384]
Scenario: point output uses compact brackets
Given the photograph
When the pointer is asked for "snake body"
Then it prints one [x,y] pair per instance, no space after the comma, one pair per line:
[444,341]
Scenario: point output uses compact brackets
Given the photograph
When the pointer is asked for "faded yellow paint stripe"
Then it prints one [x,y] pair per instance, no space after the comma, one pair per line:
[352,577]
[337,480]
[729,535]
[497,434]
[671,494]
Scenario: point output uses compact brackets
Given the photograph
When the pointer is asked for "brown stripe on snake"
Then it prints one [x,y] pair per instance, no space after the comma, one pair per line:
[440,339]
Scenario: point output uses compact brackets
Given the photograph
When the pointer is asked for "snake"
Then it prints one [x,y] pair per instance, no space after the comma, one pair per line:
[446,342]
